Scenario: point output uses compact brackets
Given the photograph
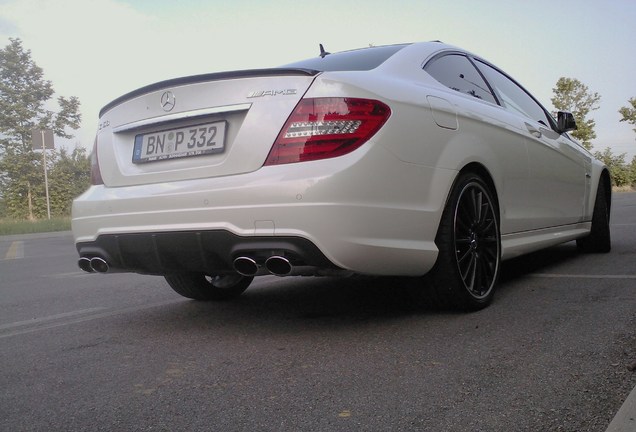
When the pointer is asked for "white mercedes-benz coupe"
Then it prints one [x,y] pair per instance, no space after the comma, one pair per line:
[418,160]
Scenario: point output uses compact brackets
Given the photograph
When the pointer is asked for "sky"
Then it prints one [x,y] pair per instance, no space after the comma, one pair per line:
[98,50]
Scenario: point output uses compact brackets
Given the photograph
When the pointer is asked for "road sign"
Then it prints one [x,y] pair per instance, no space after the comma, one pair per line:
[42,139]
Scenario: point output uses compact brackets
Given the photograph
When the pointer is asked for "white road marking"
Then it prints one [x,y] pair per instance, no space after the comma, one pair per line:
[582,276]
[50,318]
[68,275]
[93,314]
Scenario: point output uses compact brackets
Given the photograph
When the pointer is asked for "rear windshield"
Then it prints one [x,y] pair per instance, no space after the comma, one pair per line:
[356,60]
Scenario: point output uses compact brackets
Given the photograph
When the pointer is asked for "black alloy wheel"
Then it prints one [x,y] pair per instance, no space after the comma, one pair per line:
[469,243]
[476,240]
[599,240]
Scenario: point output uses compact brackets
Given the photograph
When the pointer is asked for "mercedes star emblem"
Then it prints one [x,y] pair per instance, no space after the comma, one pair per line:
[167,101]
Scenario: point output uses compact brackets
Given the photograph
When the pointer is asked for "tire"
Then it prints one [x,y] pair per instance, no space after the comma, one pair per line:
[599,240]
[199,286]
[469,243]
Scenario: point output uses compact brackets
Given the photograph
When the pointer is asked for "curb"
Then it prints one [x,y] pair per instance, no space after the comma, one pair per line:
[625,418]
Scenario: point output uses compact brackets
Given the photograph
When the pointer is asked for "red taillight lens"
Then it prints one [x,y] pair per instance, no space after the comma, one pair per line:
[324,128]
[96,175]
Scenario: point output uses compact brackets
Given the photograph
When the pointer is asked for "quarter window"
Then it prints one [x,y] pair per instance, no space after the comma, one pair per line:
[455,71]
[512,96]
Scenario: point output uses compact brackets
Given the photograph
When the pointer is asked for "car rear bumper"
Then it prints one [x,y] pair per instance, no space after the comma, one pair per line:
[341,213]
[211,252]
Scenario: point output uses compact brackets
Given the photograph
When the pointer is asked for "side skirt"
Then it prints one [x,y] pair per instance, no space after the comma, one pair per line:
[521,243]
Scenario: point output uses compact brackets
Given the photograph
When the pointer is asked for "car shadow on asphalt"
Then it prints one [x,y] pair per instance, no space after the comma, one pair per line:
[538,262]
[356,298]
[333,302]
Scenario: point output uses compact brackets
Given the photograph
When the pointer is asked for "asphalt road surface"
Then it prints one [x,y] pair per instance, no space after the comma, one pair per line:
[81,352]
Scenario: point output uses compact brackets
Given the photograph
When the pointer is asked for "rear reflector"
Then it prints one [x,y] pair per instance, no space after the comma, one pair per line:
[323,128]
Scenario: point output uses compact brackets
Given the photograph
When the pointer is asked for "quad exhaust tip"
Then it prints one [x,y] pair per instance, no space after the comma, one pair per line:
[91,265]
[278,265]
[99,265]
[245,266]
[85,264]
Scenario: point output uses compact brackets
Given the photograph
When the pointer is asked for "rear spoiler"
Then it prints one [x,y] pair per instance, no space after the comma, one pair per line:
[206,77]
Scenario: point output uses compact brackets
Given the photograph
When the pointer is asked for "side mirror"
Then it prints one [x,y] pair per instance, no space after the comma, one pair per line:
[565,121]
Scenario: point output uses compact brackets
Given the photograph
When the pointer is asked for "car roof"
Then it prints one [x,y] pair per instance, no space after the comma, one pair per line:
[368,58]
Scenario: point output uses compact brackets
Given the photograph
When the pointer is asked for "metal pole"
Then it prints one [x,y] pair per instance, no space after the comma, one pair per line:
[46,177]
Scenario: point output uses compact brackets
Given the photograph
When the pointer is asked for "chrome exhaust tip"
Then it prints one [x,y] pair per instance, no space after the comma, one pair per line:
[85,264]
[245,266]
[99,265]
[278,265]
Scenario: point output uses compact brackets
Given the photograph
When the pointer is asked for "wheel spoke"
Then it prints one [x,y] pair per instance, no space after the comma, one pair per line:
[481,283]
[487,275]
[468,275]
[477,198]
[476,240]
[485,222]
[463,256]
[462,229]
[464,219]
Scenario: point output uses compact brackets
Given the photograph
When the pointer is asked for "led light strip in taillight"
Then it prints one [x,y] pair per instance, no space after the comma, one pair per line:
[308,129]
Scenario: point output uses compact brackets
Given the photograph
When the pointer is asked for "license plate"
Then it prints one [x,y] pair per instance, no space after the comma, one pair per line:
[203,139]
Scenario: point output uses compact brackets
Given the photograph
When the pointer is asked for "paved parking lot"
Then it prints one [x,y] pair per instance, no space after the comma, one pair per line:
[123,352]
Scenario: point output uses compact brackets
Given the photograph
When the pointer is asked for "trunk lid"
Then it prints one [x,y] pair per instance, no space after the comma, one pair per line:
[197,127]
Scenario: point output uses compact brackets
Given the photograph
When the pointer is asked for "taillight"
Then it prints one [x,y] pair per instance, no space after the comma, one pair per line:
[322,128]
[96,175]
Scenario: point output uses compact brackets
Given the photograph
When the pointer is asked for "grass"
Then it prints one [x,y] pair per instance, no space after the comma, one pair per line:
[11,226]
[624,189]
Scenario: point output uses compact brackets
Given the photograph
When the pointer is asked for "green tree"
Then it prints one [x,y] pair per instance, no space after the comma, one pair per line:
[69,177]
[621,171]
[24,98]
[572,95]
[629,113]
[22,182]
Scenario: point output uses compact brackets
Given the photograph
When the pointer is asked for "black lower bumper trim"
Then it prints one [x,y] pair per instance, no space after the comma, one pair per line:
[211,252]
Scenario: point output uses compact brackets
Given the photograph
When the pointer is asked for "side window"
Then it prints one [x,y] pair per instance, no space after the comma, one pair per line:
[513,97]
[455,71]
